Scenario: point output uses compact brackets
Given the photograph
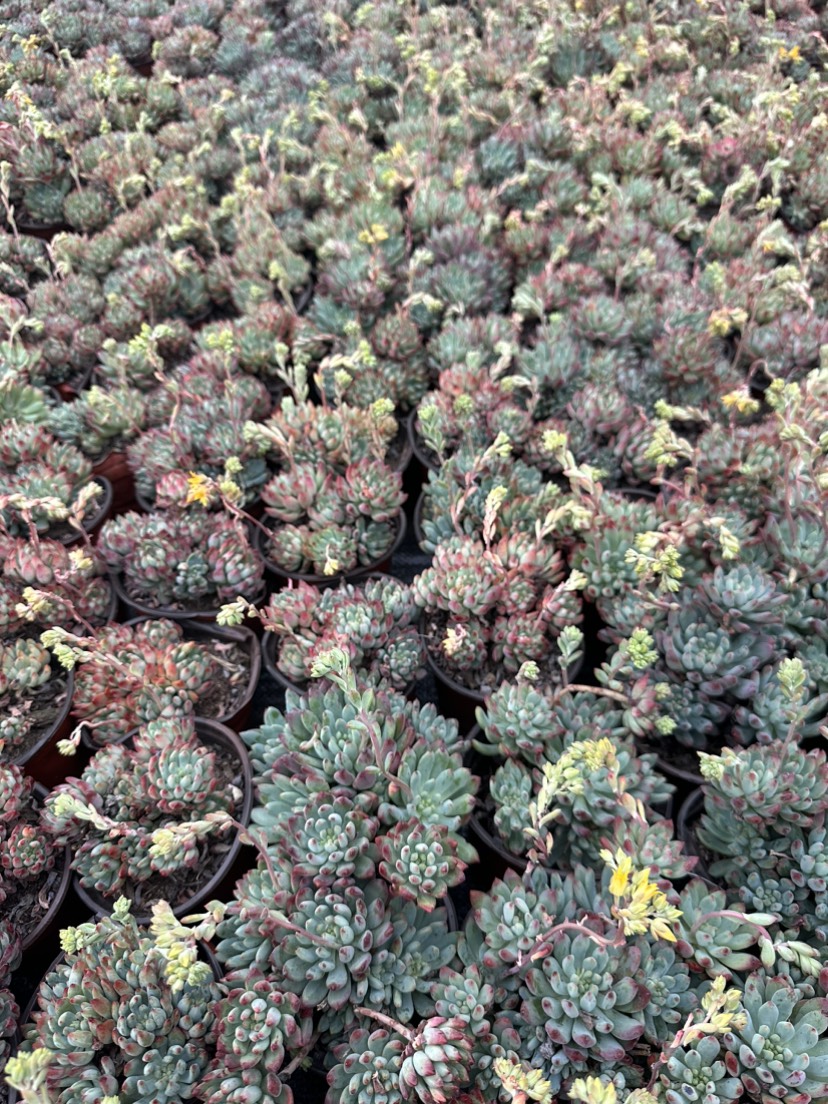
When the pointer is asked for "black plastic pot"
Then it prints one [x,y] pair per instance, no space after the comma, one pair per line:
[688,817]
[406,454]
[277,577]
[233,865]
[453,698]
[135,607]
[269,664]
[417,520]
[461,702]
[71,388]
[38,941]
[93,523]
[685,781]
[424,458]
[43,230]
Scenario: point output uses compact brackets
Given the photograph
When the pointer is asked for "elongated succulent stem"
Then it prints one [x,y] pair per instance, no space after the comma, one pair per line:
[732,914]
[298,1058]
[569,925]
[576,687]
[251,838]
[387,1021]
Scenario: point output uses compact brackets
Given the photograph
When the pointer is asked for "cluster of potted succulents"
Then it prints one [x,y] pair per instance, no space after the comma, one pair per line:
[413,552]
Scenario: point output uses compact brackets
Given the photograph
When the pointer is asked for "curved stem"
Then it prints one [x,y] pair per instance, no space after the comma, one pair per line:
[387,1021]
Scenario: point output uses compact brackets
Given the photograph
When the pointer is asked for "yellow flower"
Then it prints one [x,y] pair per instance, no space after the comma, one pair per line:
[646,908]
[621,866]
[198,489]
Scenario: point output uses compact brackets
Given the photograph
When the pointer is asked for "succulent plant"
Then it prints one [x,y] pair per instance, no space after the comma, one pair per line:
[182,559]
[203,420]
[25,668]
[130,675]
[698,1072]
[9,1011]
[375,621]
[386,361]
[495,607]
[144,810]
[781,1050]
[697,647]
[67,581]
[100,421]
[336,436]
[257,1024]
[327,522]
[43,481]
[26,851]
[714,941]
[138,362]
[157,1035]
[420,861]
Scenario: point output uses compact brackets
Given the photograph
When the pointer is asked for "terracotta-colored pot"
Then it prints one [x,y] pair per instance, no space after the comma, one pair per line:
[43,762]
[234,863]
[114,467]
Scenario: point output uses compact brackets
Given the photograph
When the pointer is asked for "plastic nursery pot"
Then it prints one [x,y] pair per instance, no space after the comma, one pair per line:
[246,639]
[44,231]
[57,915]
[270,665]
[494,857]
[142,65]
[234,863]
[135,607]
[277,577]
[42,761]
[114,467]
[71,388]
[643,492]
[685,781]
[417,520]
[400,450]
[686,822]
[424,457]
[455,699]
[94,521]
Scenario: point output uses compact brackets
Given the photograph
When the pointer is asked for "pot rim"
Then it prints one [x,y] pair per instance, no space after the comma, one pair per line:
[206,616]
[40,792]
[59,721]
[100,905]
[325,582]
[91,524]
